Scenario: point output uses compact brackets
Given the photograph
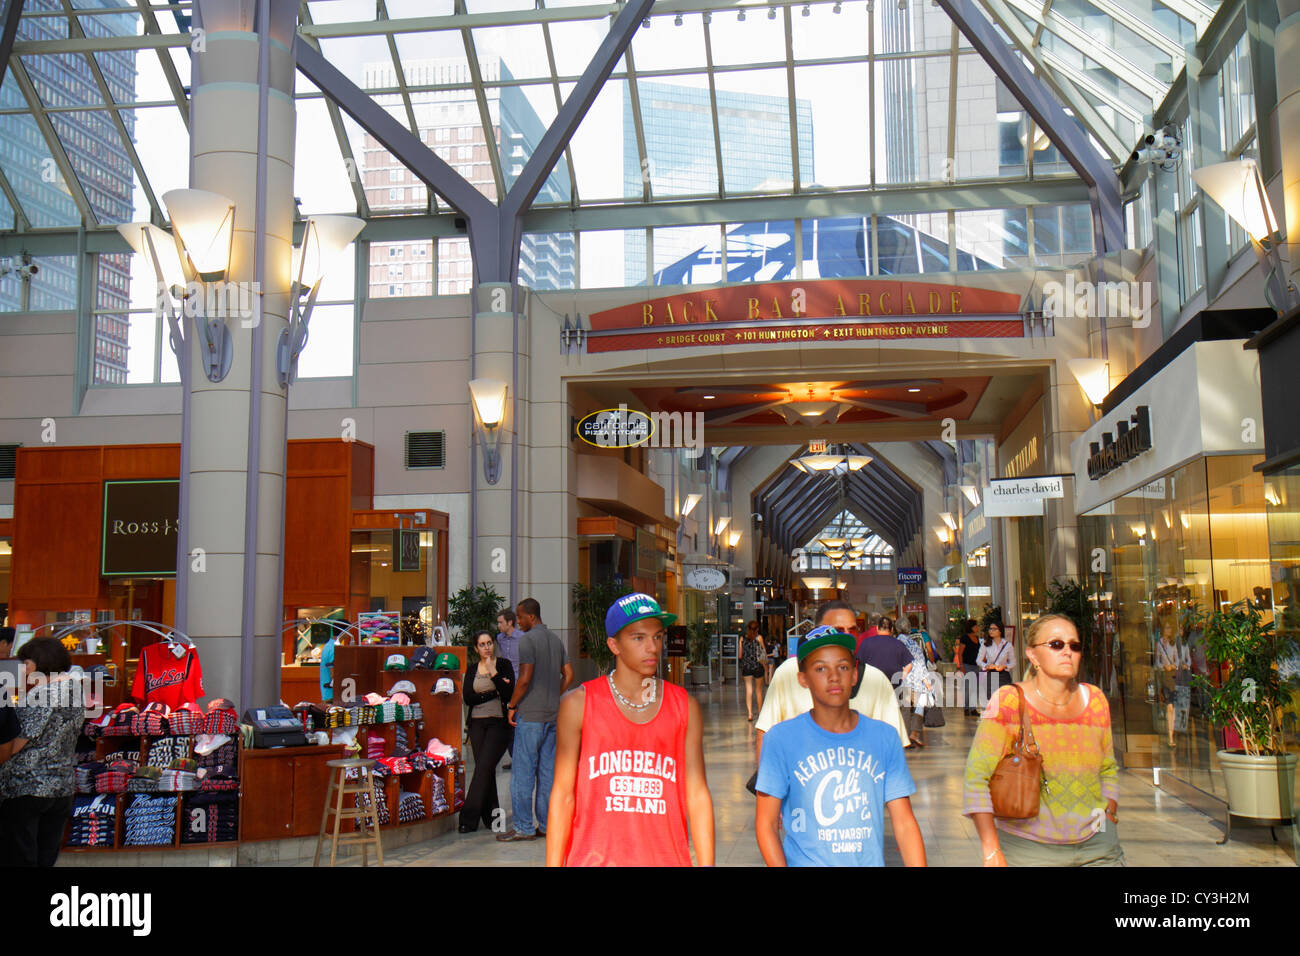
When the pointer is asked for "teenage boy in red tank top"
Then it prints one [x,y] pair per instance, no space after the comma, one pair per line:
[629,758]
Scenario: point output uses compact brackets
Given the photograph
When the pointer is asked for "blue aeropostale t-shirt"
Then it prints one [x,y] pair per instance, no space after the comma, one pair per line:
[833,789]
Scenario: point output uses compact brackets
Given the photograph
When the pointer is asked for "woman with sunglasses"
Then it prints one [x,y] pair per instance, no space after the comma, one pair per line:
[1070,723]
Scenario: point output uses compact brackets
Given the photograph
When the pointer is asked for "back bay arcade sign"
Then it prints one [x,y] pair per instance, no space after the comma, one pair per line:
[827,310]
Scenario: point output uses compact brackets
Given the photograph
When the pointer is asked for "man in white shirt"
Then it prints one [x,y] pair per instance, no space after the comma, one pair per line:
[786,698]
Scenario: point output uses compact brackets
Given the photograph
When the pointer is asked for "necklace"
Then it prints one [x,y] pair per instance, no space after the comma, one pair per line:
[1052,702]
[624,701]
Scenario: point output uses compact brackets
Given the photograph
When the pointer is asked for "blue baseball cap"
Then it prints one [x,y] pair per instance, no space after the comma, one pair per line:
[632,608]
[820,637]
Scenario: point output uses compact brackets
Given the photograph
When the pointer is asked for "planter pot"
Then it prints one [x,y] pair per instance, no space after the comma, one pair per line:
[1259,788]
[699,675]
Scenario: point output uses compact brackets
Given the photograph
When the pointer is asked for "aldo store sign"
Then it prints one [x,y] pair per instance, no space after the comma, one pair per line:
[1130,439]
[140,525]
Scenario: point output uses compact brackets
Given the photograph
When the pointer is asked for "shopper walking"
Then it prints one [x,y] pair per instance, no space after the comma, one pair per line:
[1070,724]
[508,638]
[966,658]
[885,652]
[544,675]
[37,781]
[489,685]
[629,765]
[995,657]
[753,651]
[916,689]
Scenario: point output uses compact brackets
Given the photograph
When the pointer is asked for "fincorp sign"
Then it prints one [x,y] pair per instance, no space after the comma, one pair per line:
[1130,439]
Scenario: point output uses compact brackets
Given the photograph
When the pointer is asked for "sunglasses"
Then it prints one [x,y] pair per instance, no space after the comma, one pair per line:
[1075,647]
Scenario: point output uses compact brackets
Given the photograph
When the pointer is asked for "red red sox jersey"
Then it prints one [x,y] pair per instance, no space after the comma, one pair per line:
[162,677]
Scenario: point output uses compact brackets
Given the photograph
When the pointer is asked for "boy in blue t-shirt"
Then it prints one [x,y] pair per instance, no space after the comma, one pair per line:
[829,775]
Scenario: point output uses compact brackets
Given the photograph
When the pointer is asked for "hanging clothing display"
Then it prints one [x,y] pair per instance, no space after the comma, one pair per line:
[163,677]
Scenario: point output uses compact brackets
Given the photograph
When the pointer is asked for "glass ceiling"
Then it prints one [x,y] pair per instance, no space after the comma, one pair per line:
[715,98]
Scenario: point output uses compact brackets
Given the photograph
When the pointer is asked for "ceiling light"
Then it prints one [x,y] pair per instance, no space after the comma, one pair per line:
[677,20]
[740,16]
[811,413]
[689,505]
[818,584]
[1093,376]
[832,543]
[835,555]
[913,390]
[837,563]
[771,13]
[709,398]
[856,553]
[830,462]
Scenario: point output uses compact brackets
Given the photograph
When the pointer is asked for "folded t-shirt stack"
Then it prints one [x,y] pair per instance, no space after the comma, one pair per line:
[85,775]
[215,750]
[149,821]
[401,742]
[187,719]
[410,807]
[210,818]
[381,804]
[438,803]
[375,746]
[440,754]
[166,749]
[221,777]
[180,775]
[93,819]
[152,721]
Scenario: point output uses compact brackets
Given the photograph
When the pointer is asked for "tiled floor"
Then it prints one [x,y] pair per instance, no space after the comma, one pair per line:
[1156,829]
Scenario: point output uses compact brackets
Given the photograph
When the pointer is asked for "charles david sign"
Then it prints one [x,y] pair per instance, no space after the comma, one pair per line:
[140,525]
[1130,439]
[1020,497]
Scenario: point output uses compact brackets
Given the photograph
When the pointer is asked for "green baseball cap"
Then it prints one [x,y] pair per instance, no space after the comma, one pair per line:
[446,661]
[820,637]
[396,662]
[632,608]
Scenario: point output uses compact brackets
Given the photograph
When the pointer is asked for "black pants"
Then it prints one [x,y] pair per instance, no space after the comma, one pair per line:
[32,829]
[489,737]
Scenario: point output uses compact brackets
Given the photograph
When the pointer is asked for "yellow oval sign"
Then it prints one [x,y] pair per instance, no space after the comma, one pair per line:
[616,428]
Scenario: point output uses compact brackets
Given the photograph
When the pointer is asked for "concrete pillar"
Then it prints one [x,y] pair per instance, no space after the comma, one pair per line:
[1286,54]
[237,426]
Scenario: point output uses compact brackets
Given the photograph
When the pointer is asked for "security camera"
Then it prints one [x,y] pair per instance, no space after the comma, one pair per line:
[757,516]
[1160,148]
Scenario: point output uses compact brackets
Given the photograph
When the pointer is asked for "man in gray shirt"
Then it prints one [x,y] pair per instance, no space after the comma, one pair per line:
[544,675]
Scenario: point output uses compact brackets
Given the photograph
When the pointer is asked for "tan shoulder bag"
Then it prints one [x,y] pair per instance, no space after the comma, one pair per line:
[1017,780]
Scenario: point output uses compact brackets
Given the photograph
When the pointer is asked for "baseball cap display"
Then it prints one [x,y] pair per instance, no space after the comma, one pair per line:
[422,659]
[445,685]
[446,662]
[396,662]
[403,687]
[820,637]
[632,608]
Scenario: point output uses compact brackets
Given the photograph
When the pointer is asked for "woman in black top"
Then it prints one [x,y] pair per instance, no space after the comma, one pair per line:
[966,657]
[753,667]
[489,685]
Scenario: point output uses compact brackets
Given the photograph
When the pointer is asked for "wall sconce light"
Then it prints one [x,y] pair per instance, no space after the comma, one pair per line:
[203,228]
[1093,376]
[692,500]
[1238,187]
[733,539]
[721,525]
[949,520]
[942,534]
[323,239]
[972,494]
[488,397]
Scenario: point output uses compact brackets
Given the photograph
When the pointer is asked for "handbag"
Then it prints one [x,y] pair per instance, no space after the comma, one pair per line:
[1017,780]
[934,717]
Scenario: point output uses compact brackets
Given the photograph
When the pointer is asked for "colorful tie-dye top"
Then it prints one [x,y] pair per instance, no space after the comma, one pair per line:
[1079,767]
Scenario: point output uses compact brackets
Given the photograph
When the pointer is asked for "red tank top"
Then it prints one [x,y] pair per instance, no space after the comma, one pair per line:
[630,795]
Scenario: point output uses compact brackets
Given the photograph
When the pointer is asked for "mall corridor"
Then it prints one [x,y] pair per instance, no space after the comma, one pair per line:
[1156,829]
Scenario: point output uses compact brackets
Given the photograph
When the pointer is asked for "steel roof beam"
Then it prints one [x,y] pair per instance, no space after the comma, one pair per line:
[9,16]
[1064,130]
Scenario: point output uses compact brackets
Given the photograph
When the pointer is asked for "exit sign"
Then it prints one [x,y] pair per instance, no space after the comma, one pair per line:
[817,448]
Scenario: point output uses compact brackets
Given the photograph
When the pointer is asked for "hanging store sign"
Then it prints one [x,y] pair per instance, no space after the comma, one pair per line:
[1020,497]
[1130,439]
[140,525]
[908,576]
[706,578]
[615,428]
[760,582]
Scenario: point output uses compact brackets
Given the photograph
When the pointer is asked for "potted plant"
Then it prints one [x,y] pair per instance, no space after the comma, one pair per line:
[589,604]
[700,644]
[1259,778]
[471,610]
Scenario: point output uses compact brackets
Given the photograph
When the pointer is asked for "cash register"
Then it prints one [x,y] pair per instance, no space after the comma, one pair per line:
[275,726]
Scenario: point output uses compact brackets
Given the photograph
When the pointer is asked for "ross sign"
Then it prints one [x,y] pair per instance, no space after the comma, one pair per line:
[139,531]
[760,582]
[1020,497]
[706,578]
[908,576]
[615,428]
[1130,439]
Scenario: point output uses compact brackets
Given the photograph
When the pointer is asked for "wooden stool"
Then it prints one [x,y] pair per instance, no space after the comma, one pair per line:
[368,816]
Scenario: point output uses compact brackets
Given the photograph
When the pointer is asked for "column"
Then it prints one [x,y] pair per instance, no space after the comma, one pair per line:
[237,426]
[1286,52]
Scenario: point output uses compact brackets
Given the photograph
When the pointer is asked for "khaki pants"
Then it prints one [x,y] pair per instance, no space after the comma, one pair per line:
[1101,849]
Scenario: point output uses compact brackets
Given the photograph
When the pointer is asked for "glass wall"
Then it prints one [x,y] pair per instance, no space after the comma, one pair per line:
[1282,498]
[1192,541]
[397,570]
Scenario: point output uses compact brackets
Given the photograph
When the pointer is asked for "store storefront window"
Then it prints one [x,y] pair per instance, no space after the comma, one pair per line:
[1282,498]
[1184,544]
[397,570]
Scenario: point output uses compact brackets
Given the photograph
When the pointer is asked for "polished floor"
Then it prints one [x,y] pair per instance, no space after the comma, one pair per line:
[1156,829]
